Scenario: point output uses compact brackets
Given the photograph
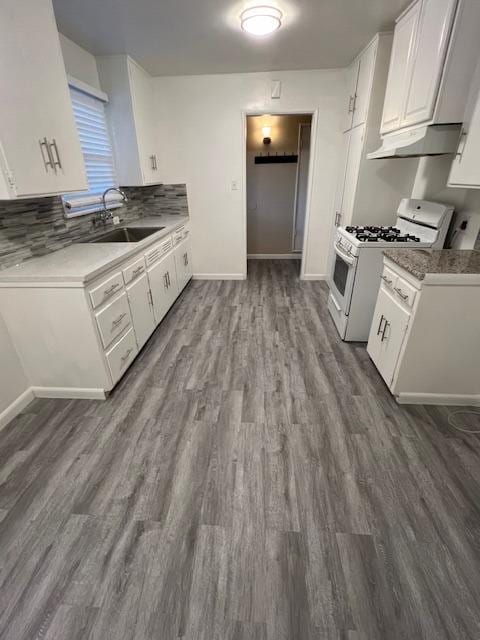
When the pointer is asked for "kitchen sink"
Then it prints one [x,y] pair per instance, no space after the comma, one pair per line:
[127,234]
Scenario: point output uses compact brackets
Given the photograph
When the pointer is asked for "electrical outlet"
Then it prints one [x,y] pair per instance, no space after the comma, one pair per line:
[116,220]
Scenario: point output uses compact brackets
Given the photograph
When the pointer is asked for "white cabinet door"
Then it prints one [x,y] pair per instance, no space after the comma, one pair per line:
[38,136]
[435,23]
[389,326]
[364,84]
[338,204]
[399,71]
[163,285]
[351,83]
[142,100]
[141,309]
[355,151]
[183,264]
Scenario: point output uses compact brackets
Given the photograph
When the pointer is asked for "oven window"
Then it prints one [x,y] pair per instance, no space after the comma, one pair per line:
[340,275]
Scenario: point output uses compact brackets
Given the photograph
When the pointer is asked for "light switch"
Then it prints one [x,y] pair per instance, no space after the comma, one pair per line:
[276,89]
[234,185]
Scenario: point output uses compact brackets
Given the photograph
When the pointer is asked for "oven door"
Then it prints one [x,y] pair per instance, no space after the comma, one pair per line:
[343,277]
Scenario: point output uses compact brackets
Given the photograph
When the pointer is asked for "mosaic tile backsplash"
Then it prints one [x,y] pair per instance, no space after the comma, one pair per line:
[31,228]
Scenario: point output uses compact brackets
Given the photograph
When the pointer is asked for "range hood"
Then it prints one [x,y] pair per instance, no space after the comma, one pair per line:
[432,140]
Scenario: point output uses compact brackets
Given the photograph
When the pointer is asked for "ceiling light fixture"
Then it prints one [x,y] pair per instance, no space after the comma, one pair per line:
[262,20]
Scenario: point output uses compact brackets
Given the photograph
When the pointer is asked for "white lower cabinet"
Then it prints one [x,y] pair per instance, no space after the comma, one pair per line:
[77,340]
[141,307]
[389,325]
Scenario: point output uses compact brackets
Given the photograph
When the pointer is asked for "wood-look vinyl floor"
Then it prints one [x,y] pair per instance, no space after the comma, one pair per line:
[250,478]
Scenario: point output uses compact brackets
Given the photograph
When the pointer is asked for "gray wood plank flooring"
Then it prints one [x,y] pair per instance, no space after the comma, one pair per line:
[250,478]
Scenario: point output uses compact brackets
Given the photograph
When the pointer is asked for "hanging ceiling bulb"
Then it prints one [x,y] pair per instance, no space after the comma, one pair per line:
[261,20]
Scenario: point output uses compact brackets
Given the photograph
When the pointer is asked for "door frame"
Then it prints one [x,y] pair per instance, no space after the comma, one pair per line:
[301,126]
[311,170]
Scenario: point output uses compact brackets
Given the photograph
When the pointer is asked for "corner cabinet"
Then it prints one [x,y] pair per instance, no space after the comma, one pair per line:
[40,150]
[411,342]
[131,117]
[434,54]
[91,333]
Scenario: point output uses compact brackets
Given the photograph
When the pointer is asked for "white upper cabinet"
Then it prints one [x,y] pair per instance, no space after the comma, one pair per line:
[359,86]
[131,118]
[400,63]
[432,36]
[434,54]
[40,149]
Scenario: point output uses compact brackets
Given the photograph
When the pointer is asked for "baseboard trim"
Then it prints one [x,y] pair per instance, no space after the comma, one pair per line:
[219,276]
[73,393]
[314,276]
[274,256]
[444,399]
[16,407]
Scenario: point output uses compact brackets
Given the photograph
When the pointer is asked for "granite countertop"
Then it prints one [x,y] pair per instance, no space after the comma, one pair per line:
[428,263]
[82,262]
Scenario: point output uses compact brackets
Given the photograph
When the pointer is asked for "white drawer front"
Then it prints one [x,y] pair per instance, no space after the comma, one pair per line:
[405,292]
[389,278]
[159,250]
[121,355]
[113,320]
[180,234]
[134,270]
[102,292]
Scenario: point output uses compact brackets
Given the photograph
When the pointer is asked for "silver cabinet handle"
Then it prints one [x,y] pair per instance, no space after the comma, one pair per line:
[338,217]
[402,295]
[385,327]
[350,109]
[152,160]
[379,330]
[53,147]
[461,145]
[387,281]
[110,290]
[48,161]
[117,321]
[150,298]
[124,358]
[354,106]
[165,280]
[168,278]
[137,271]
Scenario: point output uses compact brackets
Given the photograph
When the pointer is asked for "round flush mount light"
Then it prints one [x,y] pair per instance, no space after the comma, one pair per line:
[262,20]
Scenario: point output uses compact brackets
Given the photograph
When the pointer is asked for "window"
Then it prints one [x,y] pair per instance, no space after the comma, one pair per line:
[91,122]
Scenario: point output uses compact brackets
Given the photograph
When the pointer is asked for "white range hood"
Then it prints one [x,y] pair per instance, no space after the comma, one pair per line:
[433,140]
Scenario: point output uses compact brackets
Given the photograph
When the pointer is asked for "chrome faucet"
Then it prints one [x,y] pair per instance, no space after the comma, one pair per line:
[104,214]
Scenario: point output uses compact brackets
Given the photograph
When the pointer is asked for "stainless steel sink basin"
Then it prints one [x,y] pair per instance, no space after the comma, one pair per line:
[127,234]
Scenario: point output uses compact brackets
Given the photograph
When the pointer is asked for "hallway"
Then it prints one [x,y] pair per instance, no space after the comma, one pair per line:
[250,478]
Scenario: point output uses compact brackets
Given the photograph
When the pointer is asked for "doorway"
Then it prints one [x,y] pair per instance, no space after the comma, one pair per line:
[277,179]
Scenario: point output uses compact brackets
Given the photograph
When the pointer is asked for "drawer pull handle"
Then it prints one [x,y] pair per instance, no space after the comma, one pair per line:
[118,320]
[136,271]
[402,295]
[379,330]
[387,281]
[126,356]
[111,289]
[385,327]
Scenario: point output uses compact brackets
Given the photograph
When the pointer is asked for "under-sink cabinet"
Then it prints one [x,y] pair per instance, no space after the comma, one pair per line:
[77,340]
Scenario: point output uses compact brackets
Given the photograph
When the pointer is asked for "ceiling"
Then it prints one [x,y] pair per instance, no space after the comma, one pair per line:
[183,37]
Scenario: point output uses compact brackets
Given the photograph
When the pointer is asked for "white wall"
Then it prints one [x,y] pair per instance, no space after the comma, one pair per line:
[79,63]
[201,133]
[13,381]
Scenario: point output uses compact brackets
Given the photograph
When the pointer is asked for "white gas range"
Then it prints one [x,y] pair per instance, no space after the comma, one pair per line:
[357,266]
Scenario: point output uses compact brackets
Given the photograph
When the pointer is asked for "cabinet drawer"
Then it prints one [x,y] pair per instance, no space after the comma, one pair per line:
[134,270]
[106,290]
[121,355]
[180,234]
[389,278]
[113,319]
[159,250]
[405,292]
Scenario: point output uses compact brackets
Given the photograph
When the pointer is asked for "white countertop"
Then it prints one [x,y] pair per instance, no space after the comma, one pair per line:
[82,262]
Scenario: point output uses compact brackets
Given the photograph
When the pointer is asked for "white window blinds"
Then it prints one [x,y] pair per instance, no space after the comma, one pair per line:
[92,129]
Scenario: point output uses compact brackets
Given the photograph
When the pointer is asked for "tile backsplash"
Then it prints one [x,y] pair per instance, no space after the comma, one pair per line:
[31,228]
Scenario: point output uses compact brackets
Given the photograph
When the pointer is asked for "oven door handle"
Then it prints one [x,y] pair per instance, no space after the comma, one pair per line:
[349,259]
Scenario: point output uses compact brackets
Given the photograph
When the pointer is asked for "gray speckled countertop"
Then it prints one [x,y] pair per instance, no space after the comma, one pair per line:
[82,262]
[426,264]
